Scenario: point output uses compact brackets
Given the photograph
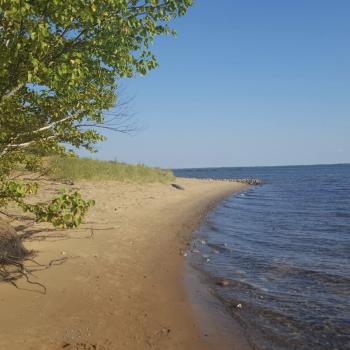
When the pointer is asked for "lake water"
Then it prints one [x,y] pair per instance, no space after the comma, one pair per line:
[284,247]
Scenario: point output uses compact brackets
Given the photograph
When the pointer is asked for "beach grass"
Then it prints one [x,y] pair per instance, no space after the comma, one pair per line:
[67,168]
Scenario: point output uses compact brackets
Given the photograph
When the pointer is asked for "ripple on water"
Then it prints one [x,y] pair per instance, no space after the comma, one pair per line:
[284,247]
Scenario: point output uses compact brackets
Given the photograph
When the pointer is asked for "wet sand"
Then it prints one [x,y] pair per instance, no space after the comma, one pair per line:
[120,283]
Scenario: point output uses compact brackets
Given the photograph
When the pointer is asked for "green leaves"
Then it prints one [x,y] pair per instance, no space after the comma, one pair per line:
[65,211]
[15,191]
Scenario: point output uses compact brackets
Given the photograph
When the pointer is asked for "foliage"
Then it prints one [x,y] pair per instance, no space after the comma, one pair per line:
[16,191]
[60,61]
[65,168]
[59,68]
[66,211]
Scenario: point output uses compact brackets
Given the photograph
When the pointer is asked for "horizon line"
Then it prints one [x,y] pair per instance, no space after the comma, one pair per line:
[258,166]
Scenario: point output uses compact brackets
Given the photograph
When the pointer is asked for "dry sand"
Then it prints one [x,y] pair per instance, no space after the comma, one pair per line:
[122,288]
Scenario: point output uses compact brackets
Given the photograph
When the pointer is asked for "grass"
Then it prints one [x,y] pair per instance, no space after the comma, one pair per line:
[91,169]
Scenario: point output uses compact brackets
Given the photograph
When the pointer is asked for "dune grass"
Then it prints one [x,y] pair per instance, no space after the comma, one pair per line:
[91,169]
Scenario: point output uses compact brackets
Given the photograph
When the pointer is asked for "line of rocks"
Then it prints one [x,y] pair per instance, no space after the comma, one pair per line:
[248,181]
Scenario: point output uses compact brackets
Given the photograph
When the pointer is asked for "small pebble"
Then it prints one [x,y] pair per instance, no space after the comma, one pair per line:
[223,283]
[183,253]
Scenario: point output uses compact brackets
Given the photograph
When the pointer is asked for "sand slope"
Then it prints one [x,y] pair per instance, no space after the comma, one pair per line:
[123,287]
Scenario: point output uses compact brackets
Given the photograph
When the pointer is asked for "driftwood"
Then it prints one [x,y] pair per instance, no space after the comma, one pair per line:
[177,186]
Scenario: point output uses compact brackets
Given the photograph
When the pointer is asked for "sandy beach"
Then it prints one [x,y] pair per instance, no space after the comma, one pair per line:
[119,279]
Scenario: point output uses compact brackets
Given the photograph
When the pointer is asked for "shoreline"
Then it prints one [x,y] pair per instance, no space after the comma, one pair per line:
[220,329]
[122,287]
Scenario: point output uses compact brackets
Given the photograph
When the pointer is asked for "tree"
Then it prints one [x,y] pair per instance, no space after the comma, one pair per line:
[60,64]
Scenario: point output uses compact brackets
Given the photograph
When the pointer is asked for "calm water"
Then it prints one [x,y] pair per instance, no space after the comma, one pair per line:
[285,247]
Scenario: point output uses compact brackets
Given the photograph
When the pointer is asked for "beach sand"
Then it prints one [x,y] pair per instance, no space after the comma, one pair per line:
[120,282]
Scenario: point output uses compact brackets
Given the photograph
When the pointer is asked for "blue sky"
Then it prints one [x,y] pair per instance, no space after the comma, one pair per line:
[248,82]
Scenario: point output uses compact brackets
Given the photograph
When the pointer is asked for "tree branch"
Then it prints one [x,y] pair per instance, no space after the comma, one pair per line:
[11,146]
[13,91]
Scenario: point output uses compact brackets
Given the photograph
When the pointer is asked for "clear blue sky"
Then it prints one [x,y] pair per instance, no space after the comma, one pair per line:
[246,82]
